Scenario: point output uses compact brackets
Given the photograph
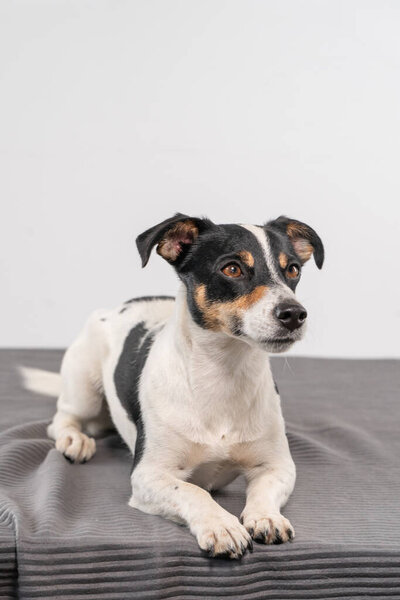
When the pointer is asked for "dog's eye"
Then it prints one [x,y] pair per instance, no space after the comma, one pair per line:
[232,270]
[292,271]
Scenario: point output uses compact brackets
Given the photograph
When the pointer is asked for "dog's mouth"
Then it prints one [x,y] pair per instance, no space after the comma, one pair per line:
[279,344]
[278,341]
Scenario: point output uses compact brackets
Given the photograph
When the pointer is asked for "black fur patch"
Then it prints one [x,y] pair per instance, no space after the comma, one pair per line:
[201,260]
[213,250]
[143,298]
[279,242]
[126,378]
[283,225]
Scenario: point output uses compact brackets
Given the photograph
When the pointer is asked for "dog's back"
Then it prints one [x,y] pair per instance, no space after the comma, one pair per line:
[106,330]
[106,359]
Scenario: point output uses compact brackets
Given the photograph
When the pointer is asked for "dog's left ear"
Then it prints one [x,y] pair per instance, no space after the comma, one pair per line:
[304,239]
[173,237]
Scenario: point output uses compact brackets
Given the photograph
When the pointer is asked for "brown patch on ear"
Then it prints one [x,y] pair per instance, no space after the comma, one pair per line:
[303,249]
[219,316]
[247,257]
[298,236]
[184,232]
[283,260]
[295,230]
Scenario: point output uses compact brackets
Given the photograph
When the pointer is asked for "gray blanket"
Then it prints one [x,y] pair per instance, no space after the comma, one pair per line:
[66,530]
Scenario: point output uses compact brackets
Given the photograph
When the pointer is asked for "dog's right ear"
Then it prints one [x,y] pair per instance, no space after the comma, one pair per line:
[173,237]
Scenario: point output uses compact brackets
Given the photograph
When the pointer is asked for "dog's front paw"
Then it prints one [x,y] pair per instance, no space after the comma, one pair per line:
[222,536]
[75,445]
[268,528]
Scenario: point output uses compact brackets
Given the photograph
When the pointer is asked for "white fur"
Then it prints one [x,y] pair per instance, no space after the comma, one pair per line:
[210,412]
[258,323]
[262,239]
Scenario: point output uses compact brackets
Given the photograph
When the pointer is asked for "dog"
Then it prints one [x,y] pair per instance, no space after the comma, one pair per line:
[187,381]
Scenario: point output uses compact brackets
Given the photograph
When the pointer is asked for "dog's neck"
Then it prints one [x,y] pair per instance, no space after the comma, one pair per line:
[217,364]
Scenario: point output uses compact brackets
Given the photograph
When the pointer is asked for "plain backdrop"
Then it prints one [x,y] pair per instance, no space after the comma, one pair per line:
[116,114]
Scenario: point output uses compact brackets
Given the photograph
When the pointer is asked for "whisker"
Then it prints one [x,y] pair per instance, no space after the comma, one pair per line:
[286,363]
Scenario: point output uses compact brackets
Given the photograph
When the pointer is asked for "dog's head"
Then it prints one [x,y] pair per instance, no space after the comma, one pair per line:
[240,279]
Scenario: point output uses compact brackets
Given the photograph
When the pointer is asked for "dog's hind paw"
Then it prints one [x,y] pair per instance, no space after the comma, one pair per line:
[268,528]
[75,445]
[223,536]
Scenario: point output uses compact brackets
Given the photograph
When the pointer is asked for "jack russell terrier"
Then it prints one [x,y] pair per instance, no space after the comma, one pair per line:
[187,381]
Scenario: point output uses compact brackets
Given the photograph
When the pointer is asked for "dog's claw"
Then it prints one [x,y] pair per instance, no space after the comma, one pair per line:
[210,550]
[222,536]
[278,539]
[229,553]
[275,529]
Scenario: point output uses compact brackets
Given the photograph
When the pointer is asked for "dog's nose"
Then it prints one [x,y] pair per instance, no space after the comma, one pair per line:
[292,316]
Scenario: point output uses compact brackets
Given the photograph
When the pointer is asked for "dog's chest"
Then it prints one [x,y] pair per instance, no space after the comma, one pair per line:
[215,464]
[214,474]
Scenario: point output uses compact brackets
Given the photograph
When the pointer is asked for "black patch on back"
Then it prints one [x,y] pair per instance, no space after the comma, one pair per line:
[141,298]
[127,376]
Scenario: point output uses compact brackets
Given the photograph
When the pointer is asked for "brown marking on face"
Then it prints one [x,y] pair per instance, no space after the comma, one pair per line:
[220,316]
[247,257]
[298,235]
[283,260]
[184,232]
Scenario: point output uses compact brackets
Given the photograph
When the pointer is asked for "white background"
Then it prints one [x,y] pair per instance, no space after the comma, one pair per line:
[115,114]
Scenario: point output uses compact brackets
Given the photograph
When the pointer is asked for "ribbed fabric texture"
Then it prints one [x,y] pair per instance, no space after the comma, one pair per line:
[66,531]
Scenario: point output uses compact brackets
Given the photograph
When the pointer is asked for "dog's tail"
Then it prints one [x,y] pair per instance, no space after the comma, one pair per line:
[39,381]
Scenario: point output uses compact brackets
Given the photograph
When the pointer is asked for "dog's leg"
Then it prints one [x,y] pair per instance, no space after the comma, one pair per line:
[269,487]
[66,430]
[79,403]
[217,531]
